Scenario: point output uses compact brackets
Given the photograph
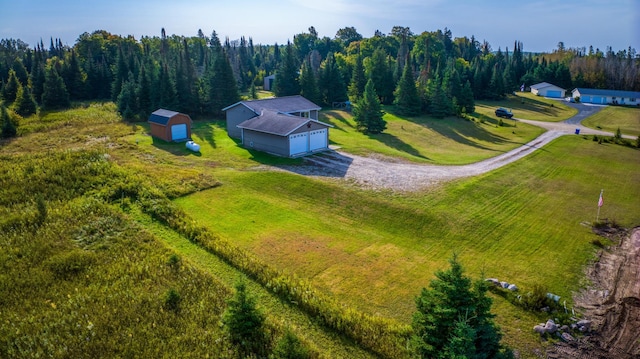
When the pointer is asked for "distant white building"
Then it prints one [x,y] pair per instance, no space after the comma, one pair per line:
[597,96]
[546,89]
[268,82]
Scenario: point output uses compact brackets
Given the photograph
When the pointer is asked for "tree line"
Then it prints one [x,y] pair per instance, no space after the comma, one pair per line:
[427,73]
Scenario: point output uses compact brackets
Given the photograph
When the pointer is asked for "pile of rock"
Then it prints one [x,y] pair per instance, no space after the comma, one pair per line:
[563,332]
[505,285]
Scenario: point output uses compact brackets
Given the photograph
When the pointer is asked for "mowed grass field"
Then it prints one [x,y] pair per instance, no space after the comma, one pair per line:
[610,118]
[527,223]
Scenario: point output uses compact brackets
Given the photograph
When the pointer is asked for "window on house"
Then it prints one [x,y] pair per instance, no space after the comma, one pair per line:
[632,100]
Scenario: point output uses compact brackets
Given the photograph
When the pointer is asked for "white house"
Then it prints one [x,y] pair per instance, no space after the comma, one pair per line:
[546,89]
[597,96]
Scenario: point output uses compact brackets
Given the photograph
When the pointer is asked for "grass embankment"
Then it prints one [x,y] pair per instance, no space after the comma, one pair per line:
[527,106]
[428,140]
[610,118]
[375,251]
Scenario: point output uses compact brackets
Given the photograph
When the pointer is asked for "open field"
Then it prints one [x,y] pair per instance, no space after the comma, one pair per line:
[611,118]
[528,106]
[526,223]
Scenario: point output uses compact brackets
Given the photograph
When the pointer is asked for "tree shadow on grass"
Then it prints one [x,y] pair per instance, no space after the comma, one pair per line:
[394,142]
[175,148]
[469,133]
[337,119]
[205,131]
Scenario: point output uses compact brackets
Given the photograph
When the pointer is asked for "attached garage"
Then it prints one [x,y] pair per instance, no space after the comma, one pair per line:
[170,126]
[285,135]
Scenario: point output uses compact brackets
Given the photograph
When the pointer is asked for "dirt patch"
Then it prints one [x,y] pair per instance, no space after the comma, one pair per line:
[611,302]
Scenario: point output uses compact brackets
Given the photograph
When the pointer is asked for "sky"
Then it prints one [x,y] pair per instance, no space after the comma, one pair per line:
[539,24]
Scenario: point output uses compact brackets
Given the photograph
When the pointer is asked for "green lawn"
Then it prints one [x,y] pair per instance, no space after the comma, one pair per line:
[425,139]
[527,106]
[611,118]
[374,251]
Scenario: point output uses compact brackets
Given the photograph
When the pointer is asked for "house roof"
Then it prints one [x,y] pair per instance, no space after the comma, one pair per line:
[286,104]
[162,116]
[614,93]
[276,123]
[542,85]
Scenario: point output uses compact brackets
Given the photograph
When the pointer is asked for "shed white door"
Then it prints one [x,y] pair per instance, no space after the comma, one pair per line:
[318,139]
[179,132]
[298,143]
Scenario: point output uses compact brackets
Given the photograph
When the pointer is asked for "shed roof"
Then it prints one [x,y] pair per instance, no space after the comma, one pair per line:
[286,104]
[277,123]
[542,85]
[162,116]
[613,93]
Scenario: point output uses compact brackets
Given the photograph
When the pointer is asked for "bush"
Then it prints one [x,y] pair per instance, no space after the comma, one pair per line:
[172,300]
[70,264]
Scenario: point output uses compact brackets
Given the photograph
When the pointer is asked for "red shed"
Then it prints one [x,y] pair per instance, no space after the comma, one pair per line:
[170,125]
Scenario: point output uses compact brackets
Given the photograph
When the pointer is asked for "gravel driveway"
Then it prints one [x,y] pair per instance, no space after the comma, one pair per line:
[384,173]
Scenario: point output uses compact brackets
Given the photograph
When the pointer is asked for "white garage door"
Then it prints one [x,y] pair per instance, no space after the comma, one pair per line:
[318,139]
[298,143]
[179,132]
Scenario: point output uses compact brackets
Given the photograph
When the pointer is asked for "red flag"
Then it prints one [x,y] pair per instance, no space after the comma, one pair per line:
[601,200]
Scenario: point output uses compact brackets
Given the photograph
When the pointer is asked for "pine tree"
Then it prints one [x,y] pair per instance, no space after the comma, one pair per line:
[127,100]
[24,105]
[358,81]
[167,96]
[245,322]
[10,89]
[331,84]
[406,95]
[382,76]
[220,85]
[368,112]
[74,78]
[54,93]
[37,79]
[466,100]
[453,318]
[290,347]
[286,83]
[308,84]
[8,129]
[143,93]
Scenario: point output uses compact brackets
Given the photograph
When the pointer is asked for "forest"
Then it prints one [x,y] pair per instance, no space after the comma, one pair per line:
[427,73]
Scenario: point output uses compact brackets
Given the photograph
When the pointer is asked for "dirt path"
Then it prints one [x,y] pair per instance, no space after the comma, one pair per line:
[612,303]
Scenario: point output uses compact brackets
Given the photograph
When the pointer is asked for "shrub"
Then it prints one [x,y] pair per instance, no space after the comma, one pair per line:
[70,264]
[536,299]
[172,300]
[290,347]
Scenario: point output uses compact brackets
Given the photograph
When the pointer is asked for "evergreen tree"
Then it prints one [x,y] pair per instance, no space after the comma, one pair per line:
[466,100]
[144,93]
[166,90]
[406,95]
[331,84]
[496,88]
[54,93]
[127,100]
[308,84]
[440,104]
[120,74]
[367,112]
[8,127]
[10,89]
[220,86]
[290,347]
[37,80]
[74,78]
[358,81]
[453,318]
[286,83]
[24,105]
[245,322]
[382,76]
[21,72]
